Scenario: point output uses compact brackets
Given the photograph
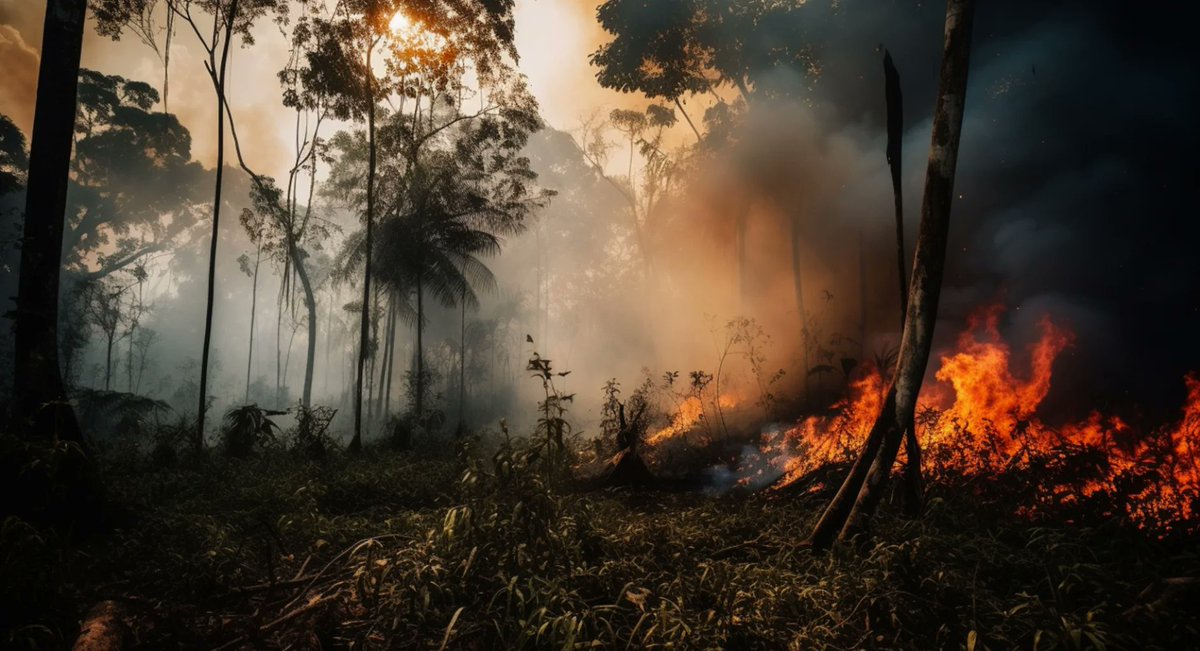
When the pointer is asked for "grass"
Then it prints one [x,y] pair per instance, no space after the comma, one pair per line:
[430,551]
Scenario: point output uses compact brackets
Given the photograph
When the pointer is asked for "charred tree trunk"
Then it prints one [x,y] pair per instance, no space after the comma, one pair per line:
[864,485]
[38,381]
[895,129]
[218,78]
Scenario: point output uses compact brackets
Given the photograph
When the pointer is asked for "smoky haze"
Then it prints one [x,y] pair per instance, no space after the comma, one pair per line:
[1076,198]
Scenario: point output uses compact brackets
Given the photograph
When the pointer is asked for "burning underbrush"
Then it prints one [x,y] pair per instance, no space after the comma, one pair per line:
[979,421]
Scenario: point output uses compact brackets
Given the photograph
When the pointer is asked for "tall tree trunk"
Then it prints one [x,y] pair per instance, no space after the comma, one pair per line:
[375,354]
[253,312]
[108,363]
[420,397]
[37,378]
[387,347]
[279,343]
[865,484]
[895,132]
[328,340]
[356,442]
[219,80]
[462,365]
[310,304]
[391,358]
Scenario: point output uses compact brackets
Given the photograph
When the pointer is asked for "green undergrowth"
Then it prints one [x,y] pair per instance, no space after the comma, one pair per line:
[482,551]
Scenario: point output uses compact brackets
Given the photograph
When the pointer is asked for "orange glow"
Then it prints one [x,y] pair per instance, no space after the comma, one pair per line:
[980,419]
[401,24]
[688,418]
[413,37]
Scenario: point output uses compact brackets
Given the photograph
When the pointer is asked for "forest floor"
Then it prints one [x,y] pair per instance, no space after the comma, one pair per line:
[422,551]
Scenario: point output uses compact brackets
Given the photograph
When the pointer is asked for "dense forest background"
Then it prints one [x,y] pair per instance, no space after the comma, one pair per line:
[529,324]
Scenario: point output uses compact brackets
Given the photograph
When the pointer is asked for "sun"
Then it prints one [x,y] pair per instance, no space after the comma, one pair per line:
[401,25]
[414,35]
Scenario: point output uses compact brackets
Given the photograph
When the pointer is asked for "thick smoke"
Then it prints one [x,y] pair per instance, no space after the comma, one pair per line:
[1075,198]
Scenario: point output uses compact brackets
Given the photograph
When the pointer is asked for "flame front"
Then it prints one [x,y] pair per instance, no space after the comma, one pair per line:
[981,420]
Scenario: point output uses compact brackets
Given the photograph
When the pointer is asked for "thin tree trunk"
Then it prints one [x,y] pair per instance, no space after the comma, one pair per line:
[310,304]
[328,339]
[387,347]
[684,113]
[462,365]
[375,354]
[219,78]
[356,442]
[279,344]
[866,486]
[391,359]
[895,128]
[129,349]
[420,397]
[38,380]
[253,312]
[108,363]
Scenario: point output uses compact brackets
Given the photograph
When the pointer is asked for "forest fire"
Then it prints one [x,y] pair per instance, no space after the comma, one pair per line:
[688,417]
[981,420]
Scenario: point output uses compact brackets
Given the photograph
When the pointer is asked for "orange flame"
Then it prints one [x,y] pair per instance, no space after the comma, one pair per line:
[981,419]
[688,417]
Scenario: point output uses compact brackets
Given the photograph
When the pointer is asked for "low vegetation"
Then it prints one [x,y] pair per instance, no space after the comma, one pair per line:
[483,549]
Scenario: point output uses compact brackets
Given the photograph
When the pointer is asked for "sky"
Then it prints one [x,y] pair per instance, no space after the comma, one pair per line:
[1077,180]
[553,39]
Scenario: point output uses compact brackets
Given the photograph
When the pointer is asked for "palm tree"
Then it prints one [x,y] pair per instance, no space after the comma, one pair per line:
[431,250]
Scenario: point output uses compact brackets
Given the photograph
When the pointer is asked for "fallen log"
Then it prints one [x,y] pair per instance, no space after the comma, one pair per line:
[103,629]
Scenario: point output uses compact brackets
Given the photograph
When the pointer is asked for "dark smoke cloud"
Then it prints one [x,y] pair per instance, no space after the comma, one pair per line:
[1077,175]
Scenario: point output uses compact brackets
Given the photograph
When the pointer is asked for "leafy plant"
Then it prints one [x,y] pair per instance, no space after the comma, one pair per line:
[552,426]
[247,427]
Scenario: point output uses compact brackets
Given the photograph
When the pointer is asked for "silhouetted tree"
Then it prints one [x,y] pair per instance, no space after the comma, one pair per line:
[864,484]
[38,380]
[229,18]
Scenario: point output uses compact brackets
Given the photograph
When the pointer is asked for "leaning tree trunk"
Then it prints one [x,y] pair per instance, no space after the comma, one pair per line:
[864,485]
[310,304]
[37,378]
[218,77]
[895,138]
[364,333]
